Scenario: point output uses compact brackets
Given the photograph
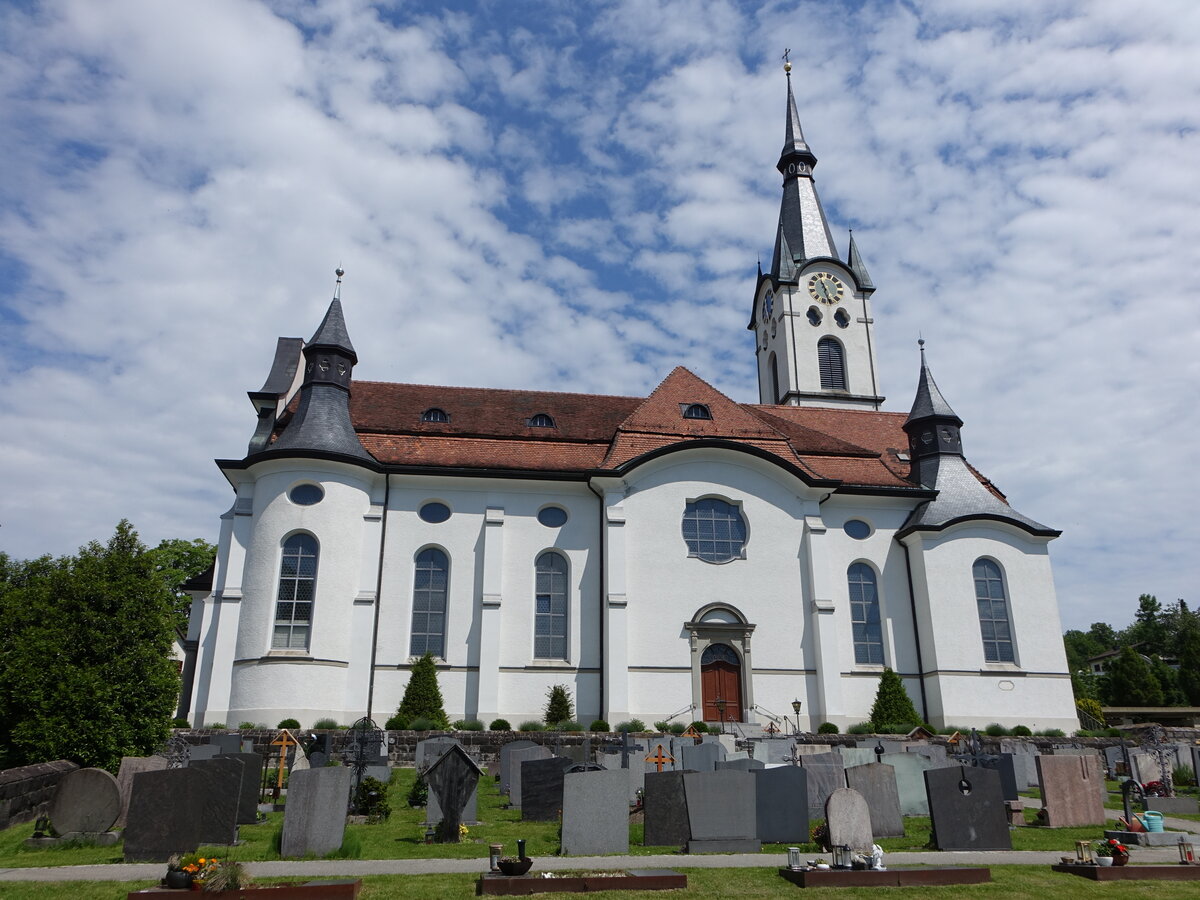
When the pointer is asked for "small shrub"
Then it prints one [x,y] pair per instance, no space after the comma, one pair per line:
[599,725]
[1052,732]
[861,728]
[662,727]
[500,725]
[820,835]
[531,726]
[325,724]
[422,724]
[180,723]
[422,696]
[559,707]
[891,727]
[1113,732]
[569,726]
[700,727]
[469,725]
[418,794]
[678,728]
[827,728]
[371,800]
[633,725]
[1182,776]
[289,723]
[995,729]
[1021,731]
[246,726]
[396,723]
[217,725]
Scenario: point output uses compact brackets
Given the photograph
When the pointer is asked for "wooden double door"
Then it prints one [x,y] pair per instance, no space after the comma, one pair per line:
[721,679]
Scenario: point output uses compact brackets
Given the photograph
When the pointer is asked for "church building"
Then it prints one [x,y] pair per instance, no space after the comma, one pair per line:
[677,556]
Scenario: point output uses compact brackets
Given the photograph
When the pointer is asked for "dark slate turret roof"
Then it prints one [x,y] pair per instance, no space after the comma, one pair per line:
[929,402]
[858,267]
[332,333]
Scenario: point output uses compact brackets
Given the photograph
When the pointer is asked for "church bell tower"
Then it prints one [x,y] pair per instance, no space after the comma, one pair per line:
[812,310]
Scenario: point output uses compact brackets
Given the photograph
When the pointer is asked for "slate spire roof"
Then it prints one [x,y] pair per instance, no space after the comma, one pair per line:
[858,267]
[929,402]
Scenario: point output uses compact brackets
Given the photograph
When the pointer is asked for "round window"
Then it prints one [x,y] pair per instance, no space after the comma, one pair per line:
[306,494]
[552,516]
[434,512]
[857,529]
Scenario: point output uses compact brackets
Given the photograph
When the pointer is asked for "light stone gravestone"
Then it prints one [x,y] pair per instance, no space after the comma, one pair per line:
[665,810]
[774,751]
[876,782]
[165,809]
[966,809]
[314,819]
[781,804]
[825,775]
[200,752]
[86,801]
[701,757]
[935,752]
[849,821]
[910,769]
[722,815]
[506,766]
[130,766]
[857,756]
[227,743]
[595,813]
[1072,790]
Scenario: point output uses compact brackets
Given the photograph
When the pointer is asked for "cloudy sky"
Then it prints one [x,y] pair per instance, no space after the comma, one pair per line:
[574,196]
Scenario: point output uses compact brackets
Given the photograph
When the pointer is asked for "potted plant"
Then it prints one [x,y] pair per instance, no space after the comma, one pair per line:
[1113,850]
[199,867]
[176,878]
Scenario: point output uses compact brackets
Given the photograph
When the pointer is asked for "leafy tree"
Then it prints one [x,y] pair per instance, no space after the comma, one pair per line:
[1168,679]
[85,655]
[892,703]
[176,561]
[1149,630]
[1188,648]
[558,705]
[422,696]
[1129,682]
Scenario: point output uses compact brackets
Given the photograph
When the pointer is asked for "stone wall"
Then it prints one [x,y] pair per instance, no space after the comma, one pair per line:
[25,793]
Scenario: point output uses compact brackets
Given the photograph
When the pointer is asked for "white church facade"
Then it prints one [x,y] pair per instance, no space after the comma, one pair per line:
[680,555]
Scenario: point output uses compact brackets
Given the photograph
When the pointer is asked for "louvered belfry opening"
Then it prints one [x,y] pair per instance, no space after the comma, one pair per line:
[832,360]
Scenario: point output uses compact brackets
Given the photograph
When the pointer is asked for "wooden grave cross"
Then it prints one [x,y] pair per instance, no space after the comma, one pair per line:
[692,733]
[659,758]
[771,728]
[282,741]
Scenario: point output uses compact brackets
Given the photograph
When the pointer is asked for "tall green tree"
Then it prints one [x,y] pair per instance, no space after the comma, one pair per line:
[422,696]
[1130,682]
[892,704]
[176,560]
[86,672]
[559,707]
[1188,649]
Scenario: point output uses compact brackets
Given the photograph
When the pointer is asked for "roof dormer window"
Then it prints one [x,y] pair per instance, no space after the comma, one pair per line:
[696,411]
[541,420]
[433,414]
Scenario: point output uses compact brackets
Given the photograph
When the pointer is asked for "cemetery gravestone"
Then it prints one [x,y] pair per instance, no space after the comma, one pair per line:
[781,804]
[967,809]
[130,766]
[165,809]
[910,769]
[428,752]
[825,775]
[201,752]
[227,743]
[517,759]
[774,752]
[595,813]
[452,778]
[876,782]
[222,796]
[542,788]
[87,801]
[740,765]
[664,805]
[506,765]
[1006,766]
[1113,757]
[314,819]
[721,809]
[849,821]
[701,757]
[1072,790]
[857,756]
[252,773]
[936,753]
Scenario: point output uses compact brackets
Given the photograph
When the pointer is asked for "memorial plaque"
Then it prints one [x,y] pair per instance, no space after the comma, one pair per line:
[781,805]
[665,807]
[876,782]
[314,819]
[849,820]
[542,788]
[595,813]
[967,809]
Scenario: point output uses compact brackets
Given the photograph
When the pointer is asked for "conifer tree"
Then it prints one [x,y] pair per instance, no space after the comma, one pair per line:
[1129,681]
[1189,657]
[422,696]
[892,703]
[558,705]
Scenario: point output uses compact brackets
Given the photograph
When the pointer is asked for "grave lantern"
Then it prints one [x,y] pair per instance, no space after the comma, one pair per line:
[1187,853]
[1083,853]
[793,858]
[495,851]
[796,704]
[843,857]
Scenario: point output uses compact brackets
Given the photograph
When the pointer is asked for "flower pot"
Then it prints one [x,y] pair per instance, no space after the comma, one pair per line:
[515,866]
[1104,861]
[177,879]
[1119,859]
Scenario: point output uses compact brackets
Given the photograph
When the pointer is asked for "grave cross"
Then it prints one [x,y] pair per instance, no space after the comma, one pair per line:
[627,748]
[365,744]
[1162,753]
[691,732]
[283,742]
[771,729]
[659,758]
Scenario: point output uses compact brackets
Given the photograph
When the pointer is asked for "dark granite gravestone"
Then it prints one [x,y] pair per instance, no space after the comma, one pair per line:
[701,757]
[664,805]
[314,819]
[130,766]
[452,778]
[165,811]
[86,801]
[427,753]
[517,759]
[721,809]
[740,765]
[1005,765]
[542,788]
[252,773]
[595,813]
[876,782]
[201,752]
[781,804]
[506,763]
[849,820]
[222,797]
[825,775]
[967,809]
[1113,756]
[227,744]
[1196,762]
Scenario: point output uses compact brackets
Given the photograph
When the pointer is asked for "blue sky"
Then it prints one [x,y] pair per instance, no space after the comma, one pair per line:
[569,196]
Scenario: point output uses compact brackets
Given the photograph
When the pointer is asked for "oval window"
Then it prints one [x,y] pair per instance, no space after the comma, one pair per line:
[552,516]
[306,494]
[434,512]
[857,529]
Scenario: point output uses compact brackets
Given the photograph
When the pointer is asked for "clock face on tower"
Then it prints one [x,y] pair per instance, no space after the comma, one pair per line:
[768,304]
[826,287]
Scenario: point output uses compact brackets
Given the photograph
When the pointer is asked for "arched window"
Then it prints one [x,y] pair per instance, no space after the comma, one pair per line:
[832,360]
[993,612]
[433,414]
[696,411]
[550,607]
[714,530]
[429,603]
[774,379]
[864,615]
[297,585]
[541,420]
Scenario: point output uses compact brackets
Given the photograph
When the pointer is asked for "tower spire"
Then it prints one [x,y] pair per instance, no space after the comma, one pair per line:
[857,266]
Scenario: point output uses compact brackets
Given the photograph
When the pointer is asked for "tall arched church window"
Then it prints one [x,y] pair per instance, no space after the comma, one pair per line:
[297,586]
[994,625]
[832,360]
[864,615]
[430,580]
[774,379]
[550,607]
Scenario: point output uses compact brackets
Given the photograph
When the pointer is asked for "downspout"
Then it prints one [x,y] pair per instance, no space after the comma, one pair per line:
[387,489]
[912,602]
[603,594]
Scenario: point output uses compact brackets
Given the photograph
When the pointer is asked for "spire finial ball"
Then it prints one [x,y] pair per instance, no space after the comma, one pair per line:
[339,271]
[787,67]
[921,343]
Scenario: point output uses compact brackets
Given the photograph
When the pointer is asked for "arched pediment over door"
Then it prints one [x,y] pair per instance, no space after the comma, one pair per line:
[721,663]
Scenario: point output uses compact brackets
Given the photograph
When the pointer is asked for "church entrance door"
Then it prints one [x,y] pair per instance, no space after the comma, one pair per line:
[721,679]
